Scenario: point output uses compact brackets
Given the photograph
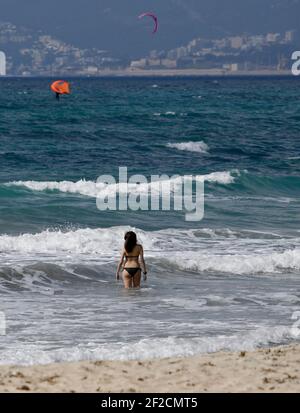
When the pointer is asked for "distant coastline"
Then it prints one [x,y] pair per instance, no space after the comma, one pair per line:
[167,73]
[192,72]
[160,73]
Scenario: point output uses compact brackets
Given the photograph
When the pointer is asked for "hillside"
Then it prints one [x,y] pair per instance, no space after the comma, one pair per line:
[113,25]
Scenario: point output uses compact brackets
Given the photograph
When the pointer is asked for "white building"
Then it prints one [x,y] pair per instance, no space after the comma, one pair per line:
[138,64]
[182,52]
[256,41]
[232,67]
[154,62]
[2,64]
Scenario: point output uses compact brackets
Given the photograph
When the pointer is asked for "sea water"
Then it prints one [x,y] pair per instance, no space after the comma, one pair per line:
[228,282]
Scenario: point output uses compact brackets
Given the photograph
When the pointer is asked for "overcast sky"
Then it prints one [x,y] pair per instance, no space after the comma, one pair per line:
[113,25]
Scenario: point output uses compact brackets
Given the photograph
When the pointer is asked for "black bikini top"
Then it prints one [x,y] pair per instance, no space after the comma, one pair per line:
[132,256]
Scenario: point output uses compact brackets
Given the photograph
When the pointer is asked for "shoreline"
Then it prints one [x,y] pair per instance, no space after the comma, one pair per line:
[161,73]
[275,369]
[193,73]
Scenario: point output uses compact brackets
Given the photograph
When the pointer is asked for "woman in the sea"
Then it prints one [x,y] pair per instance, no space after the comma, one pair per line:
[132,261]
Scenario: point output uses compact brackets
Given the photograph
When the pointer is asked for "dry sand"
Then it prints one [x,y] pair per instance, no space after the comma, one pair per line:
[266,370]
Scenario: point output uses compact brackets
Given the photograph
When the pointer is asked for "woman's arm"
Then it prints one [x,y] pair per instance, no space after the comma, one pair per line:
[120,265]
[143,264]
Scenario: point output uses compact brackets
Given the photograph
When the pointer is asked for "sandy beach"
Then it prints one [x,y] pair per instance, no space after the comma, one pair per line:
[264,370]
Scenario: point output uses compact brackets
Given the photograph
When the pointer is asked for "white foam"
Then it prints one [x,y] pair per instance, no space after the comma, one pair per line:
[105,240]
[238,263]
[199,147]
[168,113]
[224,178]
[199,250]
[184,303]
[94,189]
[147,348]
[83,187]
[82,241]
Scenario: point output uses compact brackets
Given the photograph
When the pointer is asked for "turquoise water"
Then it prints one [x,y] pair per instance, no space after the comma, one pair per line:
[229,281]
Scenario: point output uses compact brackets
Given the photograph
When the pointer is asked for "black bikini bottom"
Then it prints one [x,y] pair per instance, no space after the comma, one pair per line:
[132,271]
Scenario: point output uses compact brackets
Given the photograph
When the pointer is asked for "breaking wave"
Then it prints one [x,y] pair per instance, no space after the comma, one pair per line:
[94,189]
[200,147]
[199,250]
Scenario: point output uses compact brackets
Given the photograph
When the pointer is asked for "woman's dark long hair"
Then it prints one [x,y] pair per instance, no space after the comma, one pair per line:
[130,241]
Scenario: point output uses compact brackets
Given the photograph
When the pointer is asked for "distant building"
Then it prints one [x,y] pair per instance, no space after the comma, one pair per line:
[236,42]
[182,52]
[221,43]
[91,70]
[153,62]
[193,46]
[138,64]
[283,63]
[154,54]
[232,67]
[290,36]
[2,64]
[273,37]
[256,41]
[196,45]
[172,54]
[169,63]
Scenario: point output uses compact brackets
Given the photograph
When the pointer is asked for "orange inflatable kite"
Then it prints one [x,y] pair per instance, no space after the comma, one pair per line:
[60,87]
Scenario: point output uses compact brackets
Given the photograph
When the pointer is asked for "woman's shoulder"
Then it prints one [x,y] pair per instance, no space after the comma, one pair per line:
[139,246]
